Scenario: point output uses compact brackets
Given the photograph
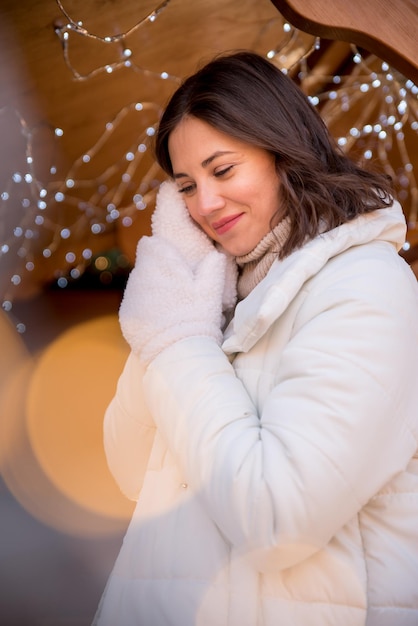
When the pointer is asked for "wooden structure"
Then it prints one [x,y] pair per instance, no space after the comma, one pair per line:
[386,28]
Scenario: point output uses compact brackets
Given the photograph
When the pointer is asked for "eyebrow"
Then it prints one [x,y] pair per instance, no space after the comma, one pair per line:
[205,162]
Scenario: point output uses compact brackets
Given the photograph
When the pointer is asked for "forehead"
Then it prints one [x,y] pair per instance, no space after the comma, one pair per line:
[194,140]
[193,130]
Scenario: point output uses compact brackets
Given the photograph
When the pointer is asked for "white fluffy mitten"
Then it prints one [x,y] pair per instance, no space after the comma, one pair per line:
[171,220]
[167,300]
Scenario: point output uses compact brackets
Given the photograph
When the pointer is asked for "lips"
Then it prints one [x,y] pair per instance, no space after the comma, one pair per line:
[225,224]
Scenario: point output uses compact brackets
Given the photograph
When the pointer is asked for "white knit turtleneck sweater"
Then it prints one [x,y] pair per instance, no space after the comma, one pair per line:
[254,266]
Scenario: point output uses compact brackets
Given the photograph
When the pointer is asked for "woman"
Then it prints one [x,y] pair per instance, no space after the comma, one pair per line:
[266,420]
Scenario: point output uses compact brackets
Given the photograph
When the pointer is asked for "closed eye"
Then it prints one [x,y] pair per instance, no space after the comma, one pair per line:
[187,189]
[224,171]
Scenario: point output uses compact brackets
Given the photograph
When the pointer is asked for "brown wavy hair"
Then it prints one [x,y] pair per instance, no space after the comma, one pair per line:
[245,96]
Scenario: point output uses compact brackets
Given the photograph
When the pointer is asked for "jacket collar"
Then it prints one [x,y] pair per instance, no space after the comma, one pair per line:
[270,298]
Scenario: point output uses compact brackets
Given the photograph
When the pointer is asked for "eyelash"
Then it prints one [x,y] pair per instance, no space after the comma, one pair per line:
[224,171]
[186,189]
[219,174]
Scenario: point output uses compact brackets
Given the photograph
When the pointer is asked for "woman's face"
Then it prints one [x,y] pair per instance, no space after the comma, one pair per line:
[230,188]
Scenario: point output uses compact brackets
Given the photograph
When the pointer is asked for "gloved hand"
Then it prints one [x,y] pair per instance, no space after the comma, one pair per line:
[166,300]
[171,220]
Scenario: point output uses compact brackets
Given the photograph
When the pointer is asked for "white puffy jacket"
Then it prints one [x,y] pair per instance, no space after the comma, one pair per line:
[278,477]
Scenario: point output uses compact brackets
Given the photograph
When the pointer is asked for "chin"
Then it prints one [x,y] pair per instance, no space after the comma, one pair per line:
[236,250]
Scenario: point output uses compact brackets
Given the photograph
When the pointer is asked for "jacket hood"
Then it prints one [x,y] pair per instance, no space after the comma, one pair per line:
[267,301]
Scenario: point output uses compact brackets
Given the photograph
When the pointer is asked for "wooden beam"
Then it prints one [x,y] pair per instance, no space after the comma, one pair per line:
[387,29]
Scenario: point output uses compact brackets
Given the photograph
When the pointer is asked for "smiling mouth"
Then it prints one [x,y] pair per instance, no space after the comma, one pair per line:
[222,226]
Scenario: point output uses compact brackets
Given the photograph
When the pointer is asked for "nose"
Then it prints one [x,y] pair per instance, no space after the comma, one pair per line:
[209,198]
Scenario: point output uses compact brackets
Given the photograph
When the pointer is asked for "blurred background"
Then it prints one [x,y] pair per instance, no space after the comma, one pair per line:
[82,86]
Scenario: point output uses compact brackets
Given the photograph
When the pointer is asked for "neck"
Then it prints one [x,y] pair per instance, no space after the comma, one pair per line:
[254,266]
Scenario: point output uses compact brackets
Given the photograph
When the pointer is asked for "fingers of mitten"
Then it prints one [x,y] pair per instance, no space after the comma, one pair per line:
[158,264]
[149,303]
[164,301]
[210,276]
[160,259]
[171,220]
[131,294]
[169,207]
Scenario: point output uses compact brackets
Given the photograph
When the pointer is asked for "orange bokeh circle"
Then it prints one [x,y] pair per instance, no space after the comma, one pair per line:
[71,386]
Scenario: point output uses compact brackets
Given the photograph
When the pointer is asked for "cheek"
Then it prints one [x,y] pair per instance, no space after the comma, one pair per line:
[192,212]
[200,221]
[273,197]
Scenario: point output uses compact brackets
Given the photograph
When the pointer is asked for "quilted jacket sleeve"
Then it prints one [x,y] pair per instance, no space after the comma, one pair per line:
[338,422]
[129,430]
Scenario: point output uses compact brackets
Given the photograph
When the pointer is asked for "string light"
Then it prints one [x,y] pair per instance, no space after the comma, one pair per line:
[372,111]
[378,94]
[72,26]
[293,48]
[385,108]
[77,25]
[90,204]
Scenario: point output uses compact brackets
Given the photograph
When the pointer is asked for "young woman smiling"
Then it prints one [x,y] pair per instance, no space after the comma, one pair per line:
[266,420]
